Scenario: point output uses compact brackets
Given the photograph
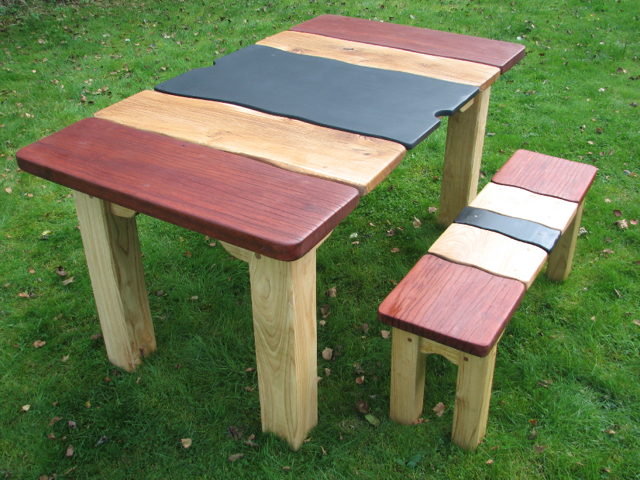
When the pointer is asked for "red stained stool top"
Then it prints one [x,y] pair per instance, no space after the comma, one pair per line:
[456,305]
[546,175]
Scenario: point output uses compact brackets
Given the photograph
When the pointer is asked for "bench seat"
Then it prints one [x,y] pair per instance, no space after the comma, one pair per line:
[458,299]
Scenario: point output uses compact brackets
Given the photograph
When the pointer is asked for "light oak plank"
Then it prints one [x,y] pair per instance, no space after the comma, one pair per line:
[517,202]
[120,211]
[407,377]
[283,298]
[462,157]
[376,56]
[113,255]
[353,159]
[490,251]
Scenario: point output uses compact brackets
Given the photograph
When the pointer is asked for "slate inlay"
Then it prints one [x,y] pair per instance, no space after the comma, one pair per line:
[516,228]
[393,105]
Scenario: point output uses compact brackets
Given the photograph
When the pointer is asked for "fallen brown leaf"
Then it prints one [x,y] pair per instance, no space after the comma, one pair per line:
[69,453]
[235,457]
[60,271]
[325,310]
[362,407]
[39,343]
[432,210]
[395,250]
[637,322]
[186,442]
[385,334]
[617,213]
[360,379]
[539,448]
[439,409]
[489,462]
[622,224]
[327,353]
[67,281]
[332,292]
[416,222]
[25,408]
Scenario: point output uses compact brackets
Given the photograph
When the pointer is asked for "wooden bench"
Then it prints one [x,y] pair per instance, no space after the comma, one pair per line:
[458,299]
[272,218]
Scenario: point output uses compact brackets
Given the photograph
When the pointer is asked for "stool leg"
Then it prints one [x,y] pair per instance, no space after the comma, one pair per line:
[473,394]
[561,257]
[283,296]
[462,157]
[113,255]
[408,366]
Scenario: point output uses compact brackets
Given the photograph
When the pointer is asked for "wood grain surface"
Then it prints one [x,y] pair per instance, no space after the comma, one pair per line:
[456,305]
[356,160]
[422,40]
[244,202]
[547,175]
[377,56]
[490,251]
[517,202]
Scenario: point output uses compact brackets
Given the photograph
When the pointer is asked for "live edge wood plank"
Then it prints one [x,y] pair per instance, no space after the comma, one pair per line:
[247,203]
[356,160]
[490,251]
[377,56]
[422,40]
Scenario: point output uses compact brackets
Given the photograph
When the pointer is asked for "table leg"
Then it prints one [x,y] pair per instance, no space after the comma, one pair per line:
[283,297]
[463,154]
[113,255]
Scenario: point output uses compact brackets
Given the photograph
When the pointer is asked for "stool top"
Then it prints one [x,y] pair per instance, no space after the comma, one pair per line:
[455,305]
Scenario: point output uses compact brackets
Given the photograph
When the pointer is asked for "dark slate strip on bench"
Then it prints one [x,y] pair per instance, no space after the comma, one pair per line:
[456,305]
[242,201]
[497,53]
[396,106]
[516,228]
[546,175]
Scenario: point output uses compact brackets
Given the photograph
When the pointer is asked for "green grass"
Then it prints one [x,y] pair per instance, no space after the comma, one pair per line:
[566,399]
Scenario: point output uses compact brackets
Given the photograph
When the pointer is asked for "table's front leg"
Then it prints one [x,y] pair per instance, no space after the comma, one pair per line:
[462,158]
[113,255]
[283,296]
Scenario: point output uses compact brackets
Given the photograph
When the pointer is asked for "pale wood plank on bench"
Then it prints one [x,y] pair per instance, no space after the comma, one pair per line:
[422,40]
[517,202]
[235,199]
[356,160]
[490,251]
[376,56]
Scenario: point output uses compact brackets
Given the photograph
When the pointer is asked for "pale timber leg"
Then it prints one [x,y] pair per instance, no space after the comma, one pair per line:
[561,257]
[283,297]
[473,394]
[113,255]
[462,157]
[408,365]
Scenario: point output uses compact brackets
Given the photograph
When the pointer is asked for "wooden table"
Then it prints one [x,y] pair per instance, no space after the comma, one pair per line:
[282,275]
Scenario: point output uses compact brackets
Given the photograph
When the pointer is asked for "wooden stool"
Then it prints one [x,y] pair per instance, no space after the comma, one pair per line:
[458,299]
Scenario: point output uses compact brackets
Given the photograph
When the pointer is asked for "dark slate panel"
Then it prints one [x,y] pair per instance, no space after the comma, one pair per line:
[516,228]
[397,106]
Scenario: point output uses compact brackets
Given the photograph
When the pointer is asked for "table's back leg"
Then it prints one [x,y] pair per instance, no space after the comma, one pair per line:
[283,296]
[113,255]
[462,158]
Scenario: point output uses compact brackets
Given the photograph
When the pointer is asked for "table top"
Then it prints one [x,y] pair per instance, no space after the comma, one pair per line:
[357,160]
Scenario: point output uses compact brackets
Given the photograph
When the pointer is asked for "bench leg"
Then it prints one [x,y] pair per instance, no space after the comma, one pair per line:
[408,366]
[561,257]
[473,394]
[113,255]
[462,158]
[283,296]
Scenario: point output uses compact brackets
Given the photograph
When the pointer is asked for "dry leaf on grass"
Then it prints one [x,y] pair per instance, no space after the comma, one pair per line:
[327,353]
[186,442]
[332,292]
[39,343]
[385,334]
[235,456]
[439,409]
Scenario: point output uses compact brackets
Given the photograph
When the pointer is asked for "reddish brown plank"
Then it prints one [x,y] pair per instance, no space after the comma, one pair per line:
[455,305]
[245,202]
[497,53]
[546,175]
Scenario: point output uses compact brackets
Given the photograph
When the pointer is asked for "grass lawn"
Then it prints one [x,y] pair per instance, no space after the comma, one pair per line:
[566,398]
